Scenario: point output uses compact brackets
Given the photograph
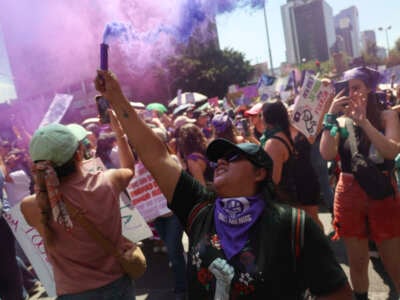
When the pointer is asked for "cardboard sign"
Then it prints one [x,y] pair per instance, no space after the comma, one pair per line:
[134,227]
[309,108]
[146,194]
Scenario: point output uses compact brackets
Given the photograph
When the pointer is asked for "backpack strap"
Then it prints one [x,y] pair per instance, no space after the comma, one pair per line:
[283,142]
[297,234]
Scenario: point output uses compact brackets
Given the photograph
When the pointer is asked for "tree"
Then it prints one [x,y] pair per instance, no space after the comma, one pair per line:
[210,71]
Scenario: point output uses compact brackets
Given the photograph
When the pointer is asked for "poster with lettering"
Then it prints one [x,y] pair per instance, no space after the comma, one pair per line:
[134,227]
[309,107]
[32,244]
[146,195]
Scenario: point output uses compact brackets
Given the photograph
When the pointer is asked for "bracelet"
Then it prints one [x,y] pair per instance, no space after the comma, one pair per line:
[330,123]
[330,119]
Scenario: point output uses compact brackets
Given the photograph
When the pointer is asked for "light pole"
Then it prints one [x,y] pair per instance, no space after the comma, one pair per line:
[387,36]
[268,41]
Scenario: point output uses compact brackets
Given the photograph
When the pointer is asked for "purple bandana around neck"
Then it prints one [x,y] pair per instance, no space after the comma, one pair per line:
[233,218]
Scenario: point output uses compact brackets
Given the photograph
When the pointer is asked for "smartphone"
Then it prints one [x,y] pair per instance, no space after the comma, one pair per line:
[340,85]
[102,106]
[245,126]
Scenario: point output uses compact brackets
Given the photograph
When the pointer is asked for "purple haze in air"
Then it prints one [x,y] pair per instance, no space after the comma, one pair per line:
[53,46]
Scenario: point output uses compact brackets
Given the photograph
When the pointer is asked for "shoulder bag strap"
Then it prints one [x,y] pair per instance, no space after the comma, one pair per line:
[77,214]
[352,136]
[297,234]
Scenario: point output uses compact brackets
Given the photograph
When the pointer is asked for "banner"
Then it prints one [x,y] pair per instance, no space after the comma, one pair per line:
[309,107]
[57,109]
[146,195]
[33,245]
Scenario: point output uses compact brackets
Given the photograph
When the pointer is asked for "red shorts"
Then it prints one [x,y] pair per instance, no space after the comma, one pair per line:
[357,215]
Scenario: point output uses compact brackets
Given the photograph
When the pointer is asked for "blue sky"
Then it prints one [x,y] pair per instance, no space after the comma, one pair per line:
[244,29]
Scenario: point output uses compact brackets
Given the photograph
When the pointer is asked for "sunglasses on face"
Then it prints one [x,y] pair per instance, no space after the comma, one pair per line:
[229,157]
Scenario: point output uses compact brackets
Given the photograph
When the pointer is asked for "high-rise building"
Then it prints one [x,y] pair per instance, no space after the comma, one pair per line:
[309,30]
[348,28]
[368,38]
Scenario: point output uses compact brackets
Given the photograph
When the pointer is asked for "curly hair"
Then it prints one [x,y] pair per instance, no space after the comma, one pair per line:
[190,139]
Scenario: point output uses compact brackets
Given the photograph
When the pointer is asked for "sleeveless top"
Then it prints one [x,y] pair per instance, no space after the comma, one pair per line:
[79,263]
[299,182]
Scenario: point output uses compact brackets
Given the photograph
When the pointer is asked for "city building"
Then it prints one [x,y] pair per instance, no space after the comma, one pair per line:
[309,30]
[368,38]
[347,27]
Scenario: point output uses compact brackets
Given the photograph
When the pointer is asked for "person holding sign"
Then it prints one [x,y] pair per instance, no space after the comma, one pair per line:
[369,132]
[239,238]
[82,269]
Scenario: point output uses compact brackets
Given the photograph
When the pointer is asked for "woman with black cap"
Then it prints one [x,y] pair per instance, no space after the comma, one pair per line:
[368,129]
[239,239]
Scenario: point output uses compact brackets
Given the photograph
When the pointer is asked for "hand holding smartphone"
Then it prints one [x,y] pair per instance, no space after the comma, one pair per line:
[342,85]
[102,107]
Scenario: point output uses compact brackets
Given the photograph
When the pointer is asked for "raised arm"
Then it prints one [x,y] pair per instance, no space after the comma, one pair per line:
[388,144]
[329,143]
[151,150]
[126,157]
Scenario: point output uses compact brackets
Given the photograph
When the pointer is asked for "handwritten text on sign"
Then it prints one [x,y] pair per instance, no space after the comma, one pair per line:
[146,195]
[310,105]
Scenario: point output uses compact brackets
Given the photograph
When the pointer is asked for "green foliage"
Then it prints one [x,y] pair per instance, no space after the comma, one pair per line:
[209,71]
[324,67]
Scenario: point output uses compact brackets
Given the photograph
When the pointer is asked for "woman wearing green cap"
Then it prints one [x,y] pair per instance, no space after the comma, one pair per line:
[82,269]
[239,239]
[375,134]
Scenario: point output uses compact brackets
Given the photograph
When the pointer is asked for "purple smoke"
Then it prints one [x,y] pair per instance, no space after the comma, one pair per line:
[53,45]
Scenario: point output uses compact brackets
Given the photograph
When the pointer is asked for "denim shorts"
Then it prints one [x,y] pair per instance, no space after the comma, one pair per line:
[120,289]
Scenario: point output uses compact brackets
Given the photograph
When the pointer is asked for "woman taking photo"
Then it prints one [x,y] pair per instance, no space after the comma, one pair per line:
[358,217]
[239,239]
[293,174]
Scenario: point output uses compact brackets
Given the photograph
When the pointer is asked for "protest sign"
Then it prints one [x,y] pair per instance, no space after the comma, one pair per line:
[57,109]
[134,227]
[146,195]
[308,110]
[33,245]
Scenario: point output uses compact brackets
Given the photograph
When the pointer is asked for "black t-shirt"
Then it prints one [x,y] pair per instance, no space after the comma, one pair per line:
[264,268]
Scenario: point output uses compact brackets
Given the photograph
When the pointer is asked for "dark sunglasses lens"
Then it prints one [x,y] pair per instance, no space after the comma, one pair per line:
[231,157]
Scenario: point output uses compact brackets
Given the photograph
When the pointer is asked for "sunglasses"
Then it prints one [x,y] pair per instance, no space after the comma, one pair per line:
[229,157]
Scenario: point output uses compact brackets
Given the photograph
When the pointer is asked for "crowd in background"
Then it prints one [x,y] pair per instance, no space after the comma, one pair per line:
[186,132]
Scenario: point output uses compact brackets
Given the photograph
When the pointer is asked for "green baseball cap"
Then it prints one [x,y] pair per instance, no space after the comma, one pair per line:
[79,131]
[54,142]
[254,153]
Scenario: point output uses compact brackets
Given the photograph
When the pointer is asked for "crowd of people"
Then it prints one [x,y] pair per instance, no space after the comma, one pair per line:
[242,182]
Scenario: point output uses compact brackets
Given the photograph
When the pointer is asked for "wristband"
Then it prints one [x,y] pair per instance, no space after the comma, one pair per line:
[330,119]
